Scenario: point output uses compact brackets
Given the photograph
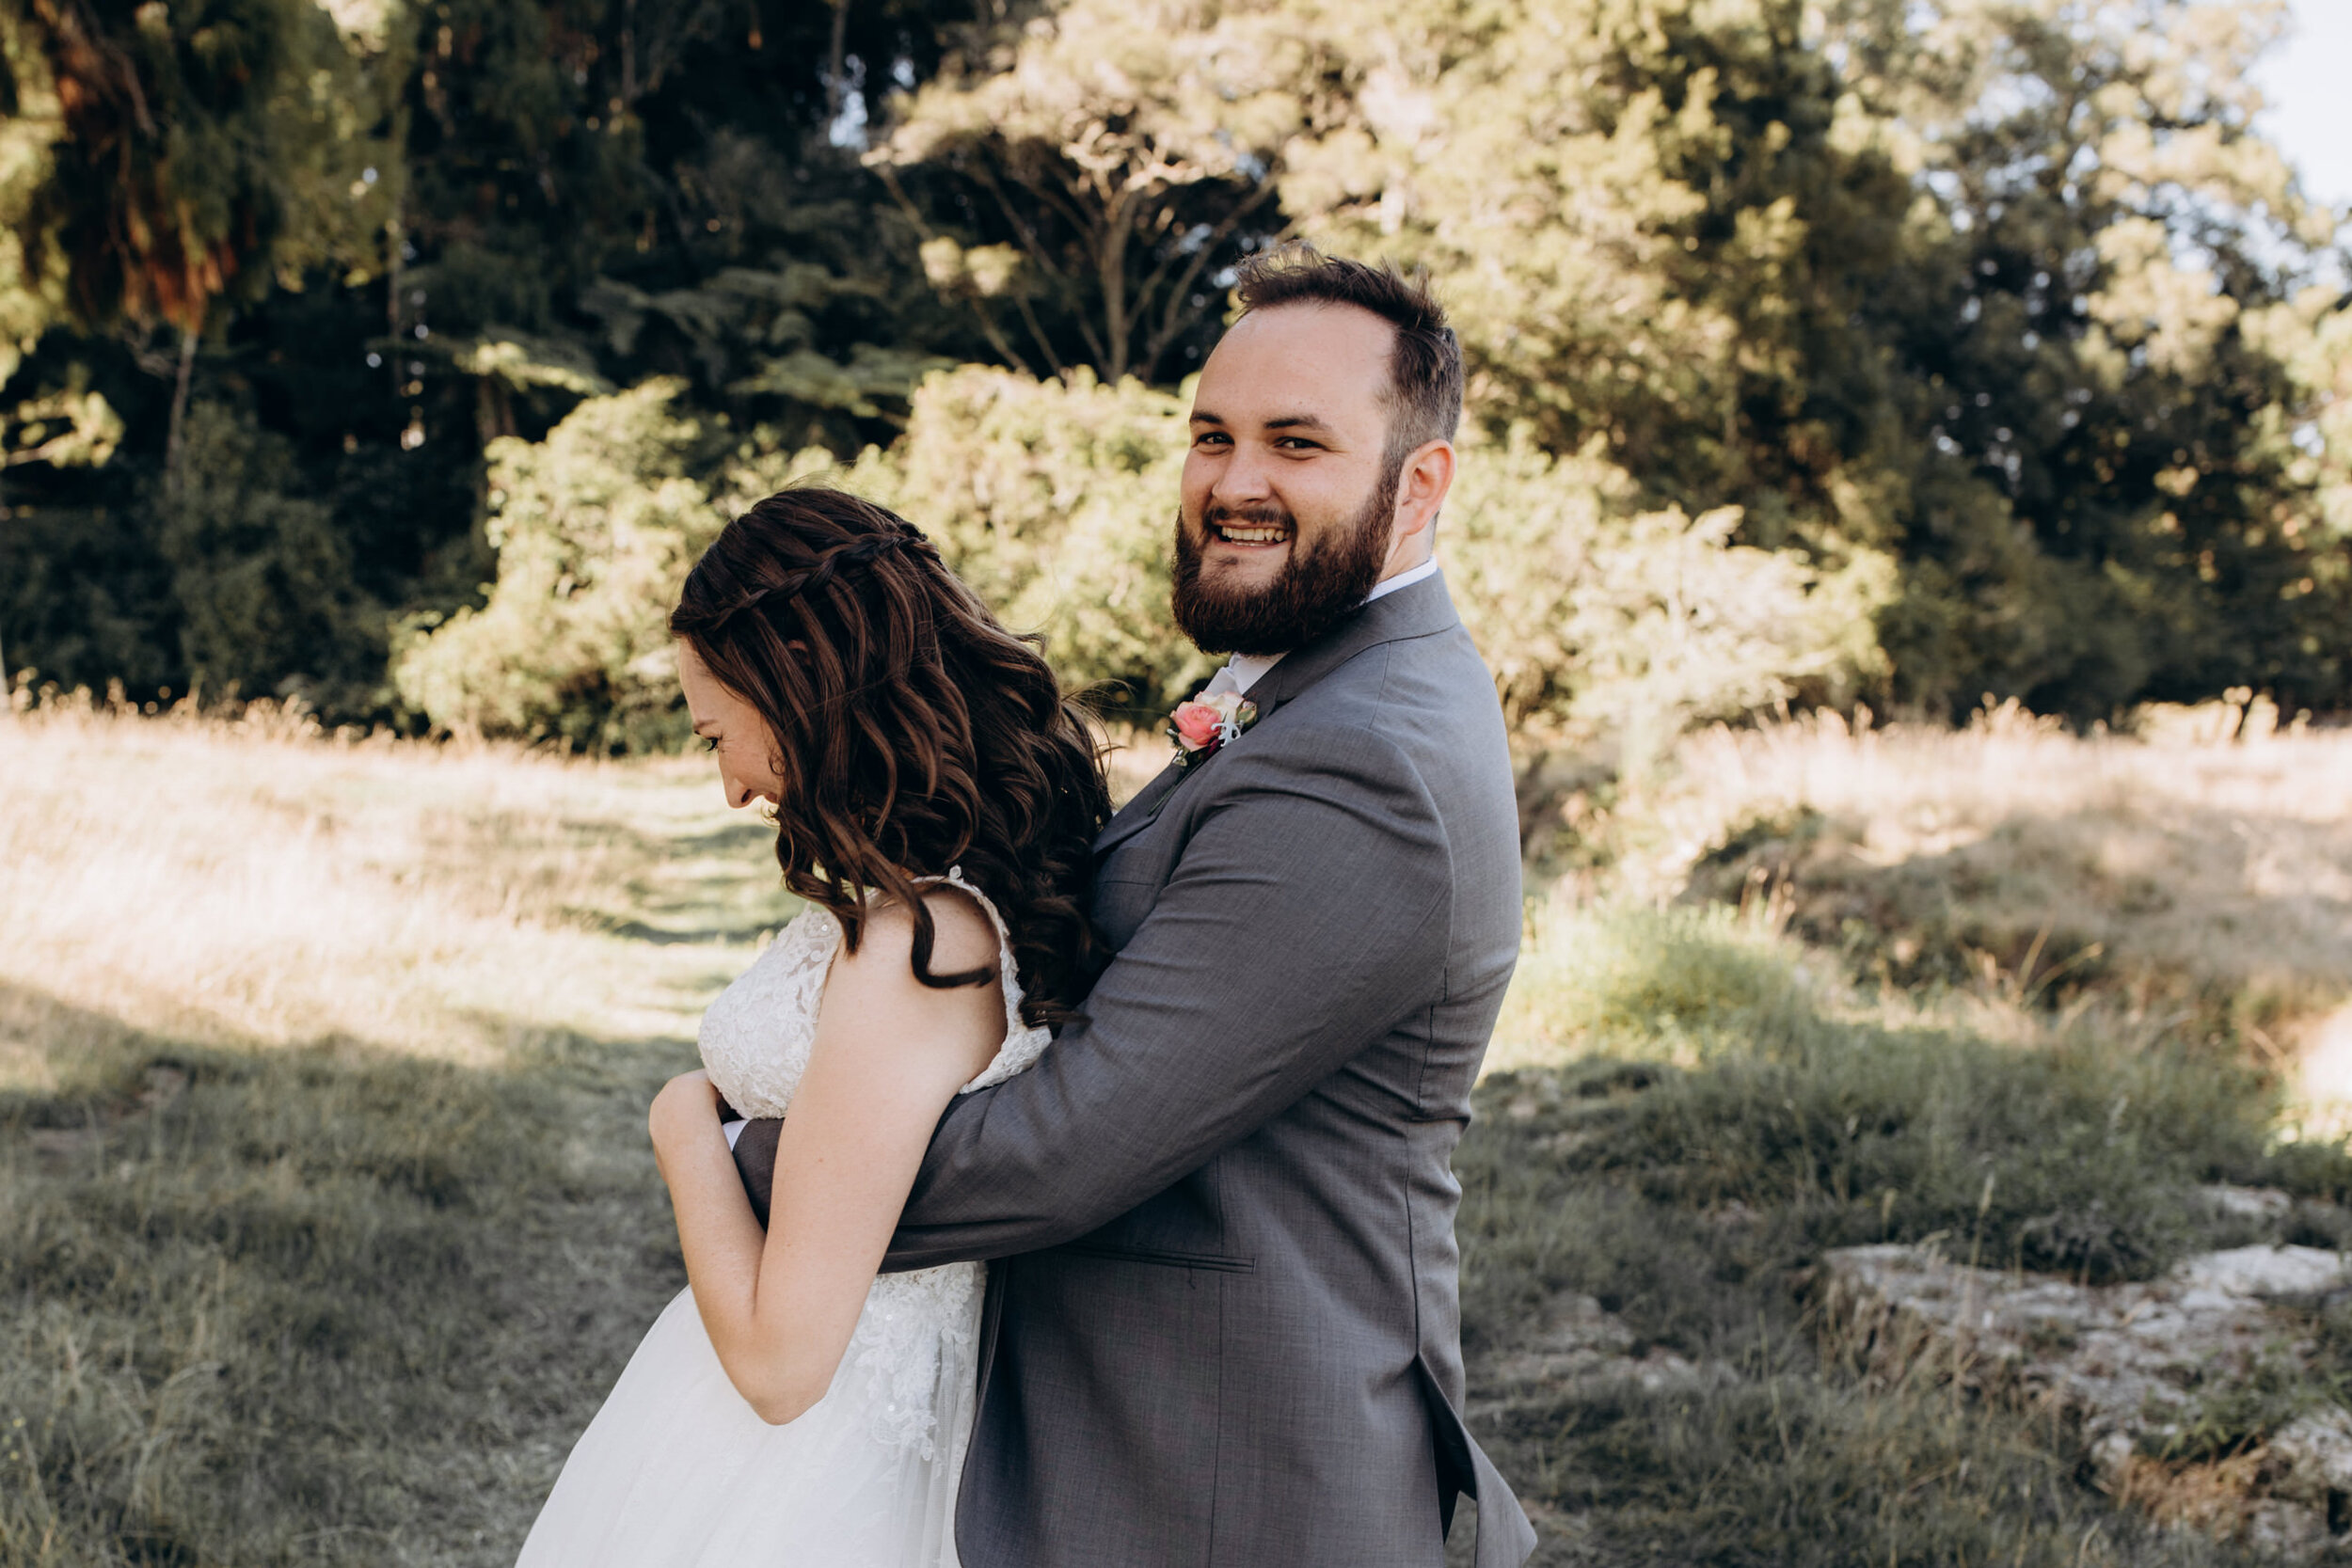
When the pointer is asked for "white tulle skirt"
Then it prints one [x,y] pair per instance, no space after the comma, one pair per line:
[676,1471]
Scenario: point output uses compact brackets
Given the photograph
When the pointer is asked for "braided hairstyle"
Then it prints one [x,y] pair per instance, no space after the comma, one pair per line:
[913,732]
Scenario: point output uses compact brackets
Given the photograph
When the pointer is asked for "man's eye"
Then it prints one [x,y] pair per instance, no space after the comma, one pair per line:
[710,742]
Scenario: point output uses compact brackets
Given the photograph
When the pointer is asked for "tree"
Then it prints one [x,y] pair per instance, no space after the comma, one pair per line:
[510,206]
[1093,171]
[1969,281]
[205,148]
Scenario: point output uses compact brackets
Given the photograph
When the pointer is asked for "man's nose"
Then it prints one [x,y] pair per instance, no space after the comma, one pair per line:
[1244,477]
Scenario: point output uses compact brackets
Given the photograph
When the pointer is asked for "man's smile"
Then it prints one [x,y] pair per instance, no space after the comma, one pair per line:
[1254,534]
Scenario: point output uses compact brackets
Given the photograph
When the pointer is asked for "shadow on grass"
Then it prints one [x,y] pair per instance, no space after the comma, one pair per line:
[2226,917]
[319,1304]
[728,872]
[748,929]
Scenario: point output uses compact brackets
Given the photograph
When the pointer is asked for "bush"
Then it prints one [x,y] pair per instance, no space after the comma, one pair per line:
[595,528]
[267,599]
[1600,621]
[1054,499]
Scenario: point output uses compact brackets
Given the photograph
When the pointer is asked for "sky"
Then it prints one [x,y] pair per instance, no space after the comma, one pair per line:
[2308,79]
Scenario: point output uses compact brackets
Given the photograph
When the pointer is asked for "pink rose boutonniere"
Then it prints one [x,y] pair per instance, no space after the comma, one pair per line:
[1205,725]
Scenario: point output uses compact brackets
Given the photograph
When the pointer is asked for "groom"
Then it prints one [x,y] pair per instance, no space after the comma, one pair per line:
[1223,1324]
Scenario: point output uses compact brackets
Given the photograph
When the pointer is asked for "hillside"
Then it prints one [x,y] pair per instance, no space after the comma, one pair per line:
[325,1215]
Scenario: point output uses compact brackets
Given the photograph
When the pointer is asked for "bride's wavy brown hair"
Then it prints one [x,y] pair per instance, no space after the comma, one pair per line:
[913,732]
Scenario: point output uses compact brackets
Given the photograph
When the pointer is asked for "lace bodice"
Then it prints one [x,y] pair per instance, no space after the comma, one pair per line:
[756,1036]
[756,1042]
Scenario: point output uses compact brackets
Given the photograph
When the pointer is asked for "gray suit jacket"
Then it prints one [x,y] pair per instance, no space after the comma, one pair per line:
[1223,1324]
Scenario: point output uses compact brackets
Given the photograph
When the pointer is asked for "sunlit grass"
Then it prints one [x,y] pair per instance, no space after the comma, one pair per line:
[325,1213]
[252,882]
[2170,863]
[326,1218]
[2008,991]
[1689,1108]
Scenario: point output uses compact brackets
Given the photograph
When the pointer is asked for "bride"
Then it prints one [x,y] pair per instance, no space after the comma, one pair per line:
[936,802]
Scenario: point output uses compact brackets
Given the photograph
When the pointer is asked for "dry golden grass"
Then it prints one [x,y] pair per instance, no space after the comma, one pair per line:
[326,1217]
[254,882]
[2173,855]
[2189,882]
[325,1213]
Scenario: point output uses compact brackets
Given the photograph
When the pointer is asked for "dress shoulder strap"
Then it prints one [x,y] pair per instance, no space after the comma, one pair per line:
[1007,968]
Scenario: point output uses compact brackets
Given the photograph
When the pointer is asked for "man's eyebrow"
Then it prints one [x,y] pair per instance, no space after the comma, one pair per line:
[698,727]
[1280,422]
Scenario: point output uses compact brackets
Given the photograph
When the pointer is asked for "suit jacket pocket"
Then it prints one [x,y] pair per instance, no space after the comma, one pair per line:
[1164,1258]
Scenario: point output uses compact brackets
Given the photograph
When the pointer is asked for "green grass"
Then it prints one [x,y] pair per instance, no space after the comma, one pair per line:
[320,1304]
[1781,1113]
[327,1212]
[326,1216]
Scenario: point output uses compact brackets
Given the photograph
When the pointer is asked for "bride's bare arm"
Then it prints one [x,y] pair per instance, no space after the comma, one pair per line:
[889,1055]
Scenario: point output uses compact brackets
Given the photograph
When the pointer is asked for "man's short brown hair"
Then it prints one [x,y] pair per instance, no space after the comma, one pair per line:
[1424,393]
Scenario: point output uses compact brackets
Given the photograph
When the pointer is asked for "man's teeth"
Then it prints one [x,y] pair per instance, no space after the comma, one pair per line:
[1251,536]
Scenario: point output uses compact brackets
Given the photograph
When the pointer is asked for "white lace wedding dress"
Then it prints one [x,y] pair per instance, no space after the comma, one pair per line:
[676,1470]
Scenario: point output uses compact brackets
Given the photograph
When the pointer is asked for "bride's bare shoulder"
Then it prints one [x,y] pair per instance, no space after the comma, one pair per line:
[962,940]
[944,1034]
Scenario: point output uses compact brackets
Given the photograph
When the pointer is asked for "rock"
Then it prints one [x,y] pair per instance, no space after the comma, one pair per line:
[2314,1456]
[1577,1341]
[2108,1354]
[2264,1273]
[2123,1359]
[2286,1532]
[2265,1204]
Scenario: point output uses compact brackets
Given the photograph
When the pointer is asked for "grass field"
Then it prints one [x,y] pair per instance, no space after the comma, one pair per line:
[325,1214]
[326,1209]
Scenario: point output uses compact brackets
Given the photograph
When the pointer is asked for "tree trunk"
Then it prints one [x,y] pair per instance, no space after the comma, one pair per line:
[1112,270]
[396,273]
[172,441]
[833,62]
[628,56]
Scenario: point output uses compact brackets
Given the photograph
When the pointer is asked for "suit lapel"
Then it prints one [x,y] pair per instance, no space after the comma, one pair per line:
[1416,611]
[1139,812]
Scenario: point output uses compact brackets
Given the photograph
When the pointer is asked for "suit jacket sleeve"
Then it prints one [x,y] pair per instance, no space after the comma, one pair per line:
[1306,917]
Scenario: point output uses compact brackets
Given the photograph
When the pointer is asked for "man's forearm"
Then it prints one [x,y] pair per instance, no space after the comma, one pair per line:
[1200,1031]
[756,1160]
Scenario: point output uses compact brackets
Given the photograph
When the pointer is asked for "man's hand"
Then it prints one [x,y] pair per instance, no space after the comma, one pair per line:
[756,1160]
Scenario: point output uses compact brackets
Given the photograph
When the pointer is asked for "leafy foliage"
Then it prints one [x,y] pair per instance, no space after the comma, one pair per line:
[594,527]
[1104,162]
[1054,500]
[1996,329]
[263,580]
[2007,292]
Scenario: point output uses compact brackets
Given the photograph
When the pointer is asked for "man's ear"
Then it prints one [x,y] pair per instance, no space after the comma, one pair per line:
[1422,485]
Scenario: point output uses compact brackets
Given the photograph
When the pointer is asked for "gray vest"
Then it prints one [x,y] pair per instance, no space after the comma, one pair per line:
[1223,1318]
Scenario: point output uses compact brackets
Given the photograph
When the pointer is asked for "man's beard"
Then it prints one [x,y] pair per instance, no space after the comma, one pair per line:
[1314,591]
